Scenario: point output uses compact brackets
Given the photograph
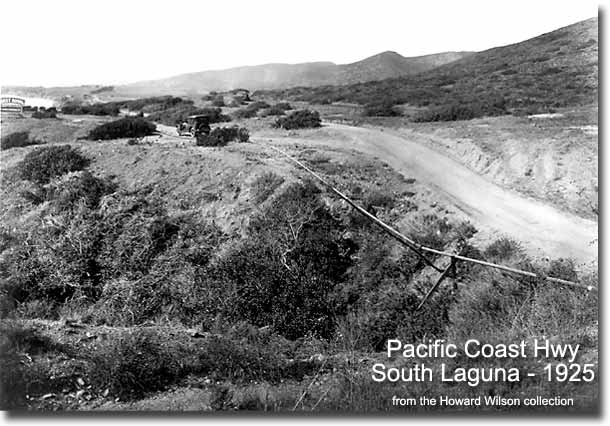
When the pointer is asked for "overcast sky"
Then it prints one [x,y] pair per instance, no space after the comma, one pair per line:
[65,42]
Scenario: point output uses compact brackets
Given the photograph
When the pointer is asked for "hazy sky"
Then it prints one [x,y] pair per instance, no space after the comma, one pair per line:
[65,42]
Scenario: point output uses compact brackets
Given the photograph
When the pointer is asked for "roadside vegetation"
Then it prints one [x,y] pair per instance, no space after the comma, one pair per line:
[308,289]
[302,119]
[221,136]
[144,105]
[128,127]
[251,110]
[42,113]
[167,110]
[18,140]
[181,112]
[44,164]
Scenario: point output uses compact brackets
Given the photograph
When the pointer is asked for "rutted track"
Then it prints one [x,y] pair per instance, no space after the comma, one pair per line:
[540,227]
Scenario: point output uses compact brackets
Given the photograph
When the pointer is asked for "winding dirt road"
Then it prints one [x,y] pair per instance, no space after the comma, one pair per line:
[540,227]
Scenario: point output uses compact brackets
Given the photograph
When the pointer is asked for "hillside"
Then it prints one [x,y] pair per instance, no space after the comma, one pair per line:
[269,76]
[391,65]
[272,76]
[161,275]
[556,69]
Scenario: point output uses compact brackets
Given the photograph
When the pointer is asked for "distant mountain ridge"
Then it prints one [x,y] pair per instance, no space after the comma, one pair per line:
[391,65]
[555,69]
[277,76]
[267,76]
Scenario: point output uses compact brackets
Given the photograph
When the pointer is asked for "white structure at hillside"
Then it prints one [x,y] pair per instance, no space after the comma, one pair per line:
[10,104]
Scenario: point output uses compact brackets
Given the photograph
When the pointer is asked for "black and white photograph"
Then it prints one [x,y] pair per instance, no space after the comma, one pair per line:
[323,208]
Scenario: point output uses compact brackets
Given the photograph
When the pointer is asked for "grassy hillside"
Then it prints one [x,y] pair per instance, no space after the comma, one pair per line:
[556,69]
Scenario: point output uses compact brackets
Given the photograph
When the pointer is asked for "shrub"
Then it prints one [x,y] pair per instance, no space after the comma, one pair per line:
[180,113]
[435,232]
[243,135]
[137,229]
[218,101]
[148,360]
[54,262]
[109,108]
[155,103]
[224,359]
[79,188]
[277,109]
[19,380]
[44,164]
[393,313]
[156,282]
[271,111]
[203,139]
[49,113]
[134,364]
[285,106]
[450,112]
[244,113]
[464,109]
[16,140]
[300,257]
[214,115]
[265,185]
[503,249]
[563,269]
[376,199]
[220,136]
[383,109]
[299,120]
[128,127]
[251,110]
[128,257]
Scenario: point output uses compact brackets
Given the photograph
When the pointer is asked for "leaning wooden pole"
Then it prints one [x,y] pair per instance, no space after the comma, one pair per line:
[387,228]
[420,249]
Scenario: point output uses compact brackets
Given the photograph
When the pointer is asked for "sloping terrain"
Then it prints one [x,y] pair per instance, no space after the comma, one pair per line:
[390,65]
[269,76]
[195,282]
[544,230]
[272,76]
[556,69]
[549,157]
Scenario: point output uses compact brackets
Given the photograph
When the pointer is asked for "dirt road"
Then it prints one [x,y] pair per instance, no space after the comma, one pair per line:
[542,229]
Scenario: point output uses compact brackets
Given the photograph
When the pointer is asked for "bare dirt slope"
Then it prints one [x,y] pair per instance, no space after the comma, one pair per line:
[548,157]
[544,230]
